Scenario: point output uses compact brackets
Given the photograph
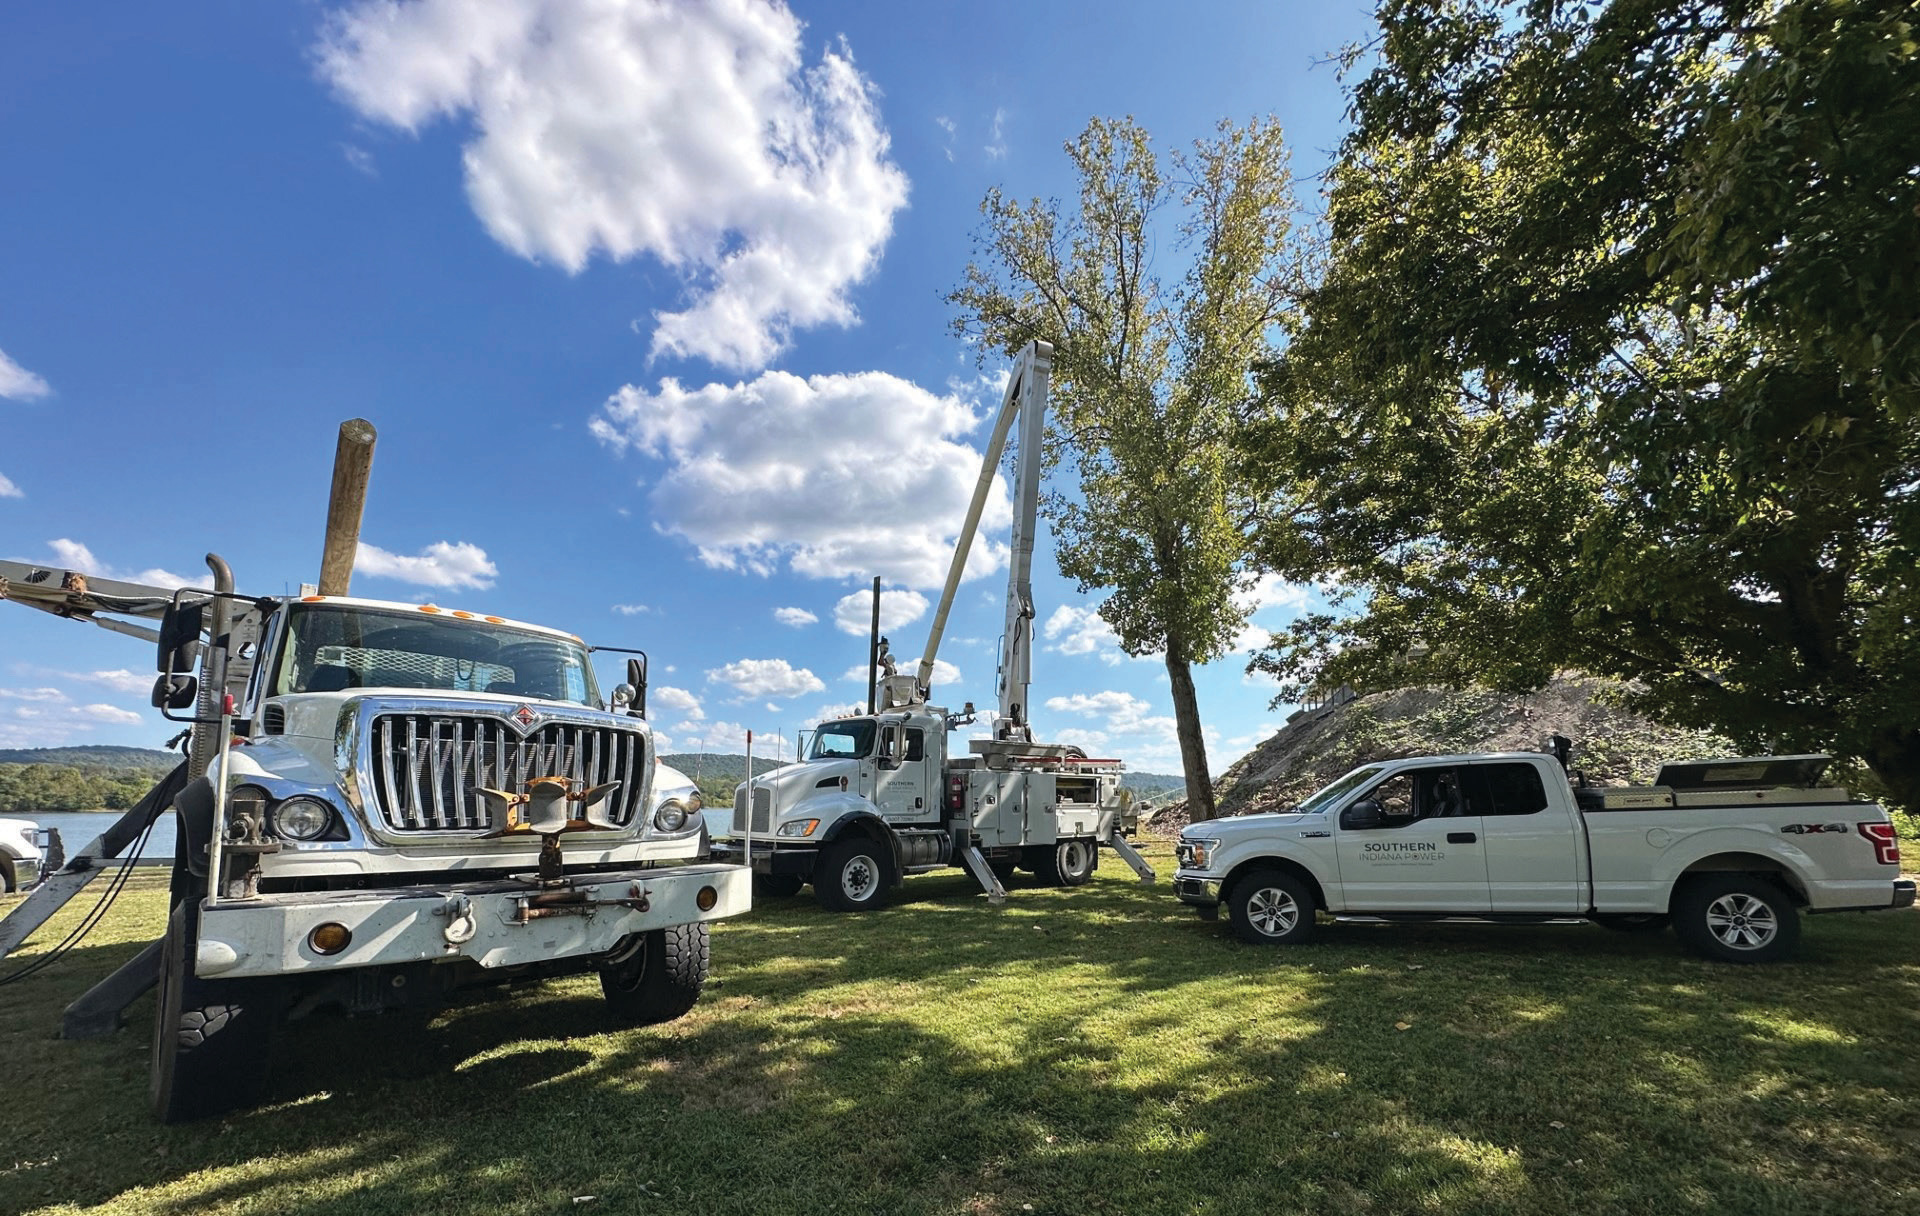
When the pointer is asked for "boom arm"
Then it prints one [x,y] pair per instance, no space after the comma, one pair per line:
[82,597]
[1026,399]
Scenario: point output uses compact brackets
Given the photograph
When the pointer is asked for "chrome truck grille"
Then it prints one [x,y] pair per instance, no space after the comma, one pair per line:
[762,810]
[425,767]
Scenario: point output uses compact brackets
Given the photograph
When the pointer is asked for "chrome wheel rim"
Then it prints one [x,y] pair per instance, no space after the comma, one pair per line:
[859,877]
[1075,856]
[1272,911]
[1742,922]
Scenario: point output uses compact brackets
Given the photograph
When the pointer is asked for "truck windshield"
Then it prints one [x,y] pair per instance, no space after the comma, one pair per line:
[1325,799]
[330,647]
[842,740]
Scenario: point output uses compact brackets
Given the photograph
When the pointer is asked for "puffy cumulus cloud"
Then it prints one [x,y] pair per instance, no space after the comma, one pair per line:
[753,678]
[799,618]
[837,476]
[8,489]
[18,383]
[1268,593]
[458,566]
[73,555]
[693,133]
[680,700]
[1082,631]
[731,737]
[854,613]
[48,717]
[1125,727]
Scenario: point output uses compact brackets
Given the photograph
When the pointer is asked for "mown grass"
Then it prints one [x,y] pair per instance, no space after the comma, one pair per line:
[1094,1050]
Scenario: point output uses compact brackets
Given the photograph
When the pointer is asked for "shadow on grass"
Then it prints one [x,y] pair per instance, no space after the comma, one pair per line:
[1093,1050]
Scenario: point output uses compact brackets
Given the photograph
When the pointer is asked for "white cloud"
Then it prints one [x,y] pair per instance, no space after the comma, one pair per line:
[18,383]
[1125,727]
[845,709]
[106,713]
[753,678]
[693,133]
[678,699]
[33,694]
[48,717]
[837,476]
[121,680]
[854,613]
[797,617]
[360,159]
[996,148]
[632,609]
[455,566]
[946,124]
[1082,631]
[731,737]
[1268,593]
[73,555]
[945,674]
[8,489]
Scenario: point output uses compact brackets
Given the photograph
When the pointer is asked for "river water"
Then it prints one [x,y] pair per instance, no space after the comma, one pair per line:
[78,828]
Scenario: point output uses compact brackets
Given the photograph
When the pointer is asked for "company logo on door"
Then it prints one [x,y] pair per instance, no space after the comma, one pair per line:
[1416,851]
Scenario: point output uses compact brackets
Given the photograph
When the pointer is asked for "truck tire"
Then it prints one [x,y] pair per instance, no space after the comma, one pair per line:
[657,976]
[1067,864]
[778,886]
[852,875]
[1271,908]
[212,1038]
[9,879]
[1736,918]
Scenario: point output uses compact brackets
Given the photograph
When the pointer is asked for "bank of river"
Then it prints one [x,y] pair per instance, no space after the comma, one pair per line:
[78,828]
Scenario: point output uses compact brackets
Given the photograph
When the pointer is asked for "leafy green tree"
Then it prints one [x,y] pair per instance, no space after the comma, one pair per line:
[1615,366]
[1150,380]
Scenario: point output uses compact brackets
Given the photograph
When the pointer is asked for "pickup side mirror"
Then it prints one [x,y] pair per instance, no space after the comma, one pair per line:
[1365,813]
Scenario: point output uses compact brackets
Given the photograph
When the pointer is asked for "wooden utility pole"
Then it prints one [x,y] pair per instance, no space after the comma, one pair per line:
[352,466]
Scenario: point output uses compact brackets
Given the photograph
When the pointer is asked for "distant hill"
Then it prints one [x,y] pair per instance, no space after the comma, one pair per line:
[702,765]
[93,756]
[1155,787]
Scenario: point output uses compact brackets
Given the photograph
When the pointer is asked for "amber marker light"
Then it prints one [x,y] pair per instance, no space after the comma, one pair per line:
[465,616]
[707,898]
[495,620]
[311,599]
[429,608]
[329,938]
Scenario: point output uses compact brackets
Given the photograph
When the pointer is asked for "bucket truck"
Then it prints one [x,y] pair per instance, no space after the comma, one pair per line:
[885,794]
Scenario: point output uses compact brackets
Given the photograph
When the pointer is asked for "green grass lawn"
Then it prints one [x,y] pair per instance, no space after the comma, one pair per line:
[1093,1050]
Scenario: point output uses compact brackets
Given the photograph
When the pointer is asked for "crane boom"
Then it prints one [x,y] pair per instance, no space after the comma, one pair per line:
[1026,400]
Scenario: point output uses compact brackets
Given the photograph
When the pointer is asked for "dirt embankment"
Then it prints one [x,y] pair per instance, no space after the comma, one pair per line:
[1611,745]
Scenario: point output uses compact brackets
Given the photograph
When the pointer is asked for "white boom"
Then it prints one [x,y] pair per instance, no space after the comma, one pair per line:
[1025,399]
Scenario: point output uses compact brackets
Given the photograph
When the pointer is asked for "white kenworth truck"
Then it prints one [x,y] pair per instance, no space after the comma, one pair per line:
[882,795]
[1726,851]
[387,804]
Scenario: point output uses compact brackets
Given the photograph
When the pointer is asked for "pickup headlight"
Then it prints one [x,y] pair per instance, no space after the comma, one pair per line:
[302,818]
[799,827]
[1195,854]
[671,815]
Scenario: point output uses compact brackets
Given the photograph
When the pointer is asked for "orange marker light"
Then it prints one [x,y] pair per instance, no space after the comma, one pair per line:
[311,599]
[465,616]
[496,620]
[428,608]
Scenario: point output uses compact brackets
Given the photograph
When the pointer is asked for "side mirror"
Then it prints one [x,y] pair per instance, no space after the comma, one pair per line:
[175,691]
[1365,813]
[179,649]
[637,682]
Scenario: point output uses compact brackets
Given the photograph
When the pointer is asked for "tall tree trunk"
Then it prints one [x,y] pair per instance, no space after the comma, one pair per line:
[1894,756]
[1186,724]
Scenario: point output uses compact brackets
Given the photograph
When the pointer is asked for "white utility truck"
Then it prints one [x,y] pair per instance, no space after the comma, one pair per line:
[1727,851]
[885,794]
[385,804]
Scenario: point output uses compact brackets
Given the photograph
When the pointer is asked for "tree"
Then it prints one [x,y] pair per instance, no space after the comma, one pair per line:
[1615,366]
[1150,382]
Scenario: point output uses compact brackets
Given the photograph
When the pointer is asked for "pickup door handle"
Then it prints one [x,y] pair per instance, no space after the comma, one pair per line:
[1461,838]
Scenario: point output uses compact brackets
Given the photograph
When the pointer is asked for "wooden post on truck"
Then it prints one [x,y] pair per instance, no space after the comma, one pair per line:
[352,466]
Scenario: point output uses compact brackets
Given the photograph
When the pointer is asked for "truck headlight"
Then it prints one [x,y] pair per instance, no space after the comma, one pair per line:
[671,815]
[302,818]
[1199,853]
[798,827]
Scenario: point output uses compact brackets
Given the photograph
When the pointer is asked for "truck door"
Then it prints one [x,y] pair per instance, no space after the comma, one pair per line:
[1424,853]
[900,784]
[1532,861]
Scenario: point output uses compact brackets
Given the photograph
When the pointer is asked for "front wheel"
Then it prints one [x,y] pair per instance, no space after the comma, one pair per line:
[212,1038]
[1271,908]
[851,875]
[1736,918]
[9,879]
[656,976]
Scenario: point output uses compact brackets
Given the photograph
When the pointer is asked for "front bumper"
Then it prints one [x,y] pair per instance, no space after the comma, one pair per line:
[500,923]
[769,858]
[1198,891]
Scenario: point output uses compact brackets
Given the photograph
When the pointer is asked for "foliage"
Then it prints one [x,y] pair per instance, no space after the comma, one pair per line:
[1096,1050]
[1616,367]
[29,788]
[1149,380]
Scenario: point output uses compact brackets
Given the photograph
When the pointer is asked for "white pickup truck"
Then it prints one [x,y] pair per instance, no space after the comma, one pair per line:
[1727,851]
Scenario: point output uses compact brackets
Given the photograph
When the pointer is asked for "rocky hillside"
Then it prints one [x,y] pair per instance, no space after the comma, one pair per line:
[1612,746]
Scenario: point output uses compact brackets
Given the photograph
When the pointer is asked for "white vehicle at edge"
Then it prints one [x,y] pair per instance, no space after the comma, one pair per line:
[19,854]
[1726,851]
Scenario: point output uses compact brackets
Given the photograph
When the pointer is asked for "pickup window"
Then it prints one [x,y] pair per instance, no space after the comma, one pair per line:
[1423,793]
[1508,789]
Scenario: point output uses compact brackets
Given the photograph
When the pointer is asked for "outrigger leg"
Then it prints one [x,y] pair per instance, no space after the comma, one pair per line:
[983,873]
[1118,844]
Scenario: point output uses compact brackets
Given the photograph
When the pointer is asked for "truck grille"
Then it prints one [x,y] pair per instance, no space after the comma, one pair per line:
[425,767]
[762,810]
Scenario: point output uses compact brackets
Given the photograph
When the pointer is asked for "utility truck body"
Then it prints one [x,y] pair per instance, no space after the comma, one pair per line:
[1728,851]
[885,794]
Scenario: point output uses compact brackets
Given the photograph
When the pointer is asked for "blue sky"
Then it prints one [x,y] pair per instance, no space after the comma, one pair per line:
[644,299]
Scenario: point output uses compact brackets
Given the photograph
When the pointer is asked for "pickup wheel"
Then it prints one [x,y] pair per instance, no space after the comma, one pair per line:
[656,976]
[212,1039]
[1271,908]
[9,880]
[1067,864]
[1736,918]
[852,875]
[779,886]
